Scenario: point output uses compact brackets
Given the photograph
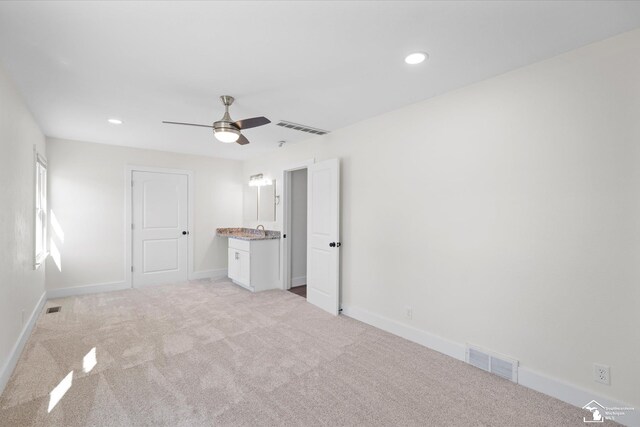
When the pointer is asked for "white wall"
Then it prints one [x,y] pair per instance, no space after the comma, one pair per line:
[298,227]
[506,213]
[21,287]
[87,197]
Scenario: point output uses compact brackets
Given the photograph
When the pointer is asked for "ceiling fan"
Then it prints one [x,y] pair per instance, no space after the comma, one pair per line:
[226,130]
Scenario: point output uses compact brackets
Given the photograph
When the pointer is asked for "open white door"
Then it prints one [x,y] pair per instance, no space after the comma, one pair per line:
[160,227]
[323,235]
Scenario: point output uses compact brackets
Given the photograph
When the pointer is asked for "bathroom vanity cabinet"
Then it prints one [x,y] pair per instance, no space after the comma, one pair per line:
[254,264]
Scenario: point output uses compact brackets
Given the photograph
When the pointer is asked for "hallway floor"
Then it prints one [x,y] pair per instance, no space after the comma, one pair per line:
[300,290]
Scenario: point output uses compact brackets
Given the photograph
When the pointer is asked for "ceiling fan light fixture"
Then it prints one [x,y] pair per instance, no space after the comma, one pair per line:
[227,136]
[226,130]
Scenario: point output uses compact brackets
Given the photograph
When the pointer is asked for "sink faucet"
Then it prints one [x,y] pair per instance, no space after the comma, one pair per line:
[263,230]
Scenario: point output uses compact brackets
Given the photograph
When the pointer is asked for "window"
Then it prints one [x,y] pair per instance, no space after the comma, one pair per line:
[40,211]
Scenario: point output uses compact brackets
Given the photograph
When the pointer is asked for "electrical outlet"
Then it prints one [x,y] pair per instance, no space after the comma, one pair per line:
[409,312]
[601,374]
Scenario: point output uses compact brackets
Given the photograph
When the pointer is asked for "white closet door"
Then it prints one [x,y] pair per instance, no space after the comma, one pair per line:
[160,227]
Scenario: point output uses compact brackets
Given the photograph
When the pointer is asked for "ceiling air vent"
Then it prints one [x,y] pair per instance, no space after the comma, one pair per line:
[301,128]
[496,364]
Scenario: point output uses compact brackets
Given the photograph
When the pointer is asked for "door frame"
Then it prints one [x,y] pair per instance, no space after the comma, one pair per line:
[285,265]
[128,215]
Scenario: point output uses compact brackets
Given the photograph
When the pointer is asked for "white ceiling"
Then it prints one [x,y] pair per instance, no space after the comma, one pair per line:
[322,64]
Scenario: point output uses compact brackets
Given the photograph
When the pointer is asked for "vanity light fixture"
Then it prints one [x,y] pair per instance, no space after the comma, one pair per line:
[259,180]
[416,58]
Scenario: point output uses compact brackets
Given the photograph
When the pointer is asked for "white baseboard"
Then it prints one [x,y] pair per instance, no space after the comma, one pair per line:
[569,393]
[573,394]
[298,281]
[416,335]
[208,274]
[118,286]
[87,289]
[16,351]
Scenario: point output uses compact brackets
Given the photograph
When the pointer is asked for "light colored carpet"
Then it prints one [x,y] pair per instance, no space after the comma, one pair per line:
[211,353]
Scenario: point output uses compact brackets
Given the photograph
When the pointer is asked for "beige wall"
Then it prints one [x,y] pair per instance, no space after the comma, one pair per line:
[87,197]
[506,214]
[21,287]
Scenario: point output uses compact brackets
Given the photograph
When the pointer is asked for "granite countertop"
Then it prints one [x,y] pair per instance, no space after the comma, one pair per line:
[248,233]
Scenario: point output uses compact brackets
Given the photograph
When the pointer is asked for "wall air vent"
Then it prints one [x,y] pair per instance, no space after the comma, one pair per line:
[301,128]
[499,365]
[54,309]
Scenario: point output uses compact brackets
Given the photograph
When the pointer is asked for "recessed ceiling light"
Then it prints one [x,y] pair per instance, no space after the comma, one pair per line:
[115,121]
[416,58]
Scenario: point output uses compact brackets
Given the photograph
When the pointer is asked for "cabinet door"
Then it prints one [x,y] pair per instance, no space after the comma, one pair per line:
[234,264]
[244,267]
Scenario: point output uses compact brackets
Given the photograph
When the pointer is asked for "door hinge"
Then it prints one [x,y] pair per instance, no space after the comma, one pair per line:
[132,268]
[132,226]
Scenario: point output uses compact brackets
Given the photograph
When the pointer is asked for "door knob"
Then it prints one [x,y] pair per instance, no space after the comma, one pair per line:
[184,233]
[332,244]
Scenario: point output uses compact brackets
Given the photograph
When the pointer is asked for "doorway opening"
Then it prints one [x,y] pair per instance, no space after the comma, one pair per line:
[321,247]
[296,230]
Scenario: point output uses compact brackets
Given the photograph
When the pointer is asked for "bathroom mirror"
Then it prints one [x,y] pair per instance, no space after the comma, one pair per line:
[267,202]
[250,204]
[260,203]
